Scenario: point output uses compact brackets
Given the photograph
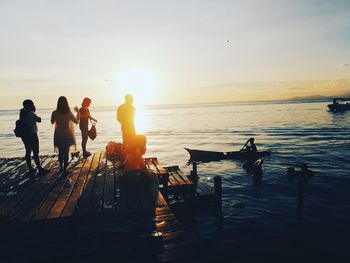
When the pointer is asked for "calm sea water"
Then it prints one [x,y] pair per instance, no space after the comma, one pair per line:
[295,132]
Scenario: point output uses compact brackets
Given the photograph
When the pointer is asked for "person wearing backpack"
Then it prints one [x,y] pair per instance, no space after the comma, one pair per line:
[29,135]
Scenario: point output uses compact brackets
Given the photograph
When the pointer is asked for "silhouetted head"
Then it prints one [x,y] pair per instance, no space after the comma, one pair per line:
[28,105]
[129,99]
[62,105]
[86,102]
[251,140]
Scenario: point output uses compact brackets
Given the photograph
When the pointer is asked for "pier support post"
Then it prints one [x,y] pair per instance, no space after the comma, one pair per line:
[218,199]
[194,173]
[300,196]
[165,182]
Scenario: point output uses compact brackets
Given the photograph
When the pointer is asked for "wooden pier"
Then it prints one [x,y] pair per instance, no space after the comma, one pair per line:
[88,214]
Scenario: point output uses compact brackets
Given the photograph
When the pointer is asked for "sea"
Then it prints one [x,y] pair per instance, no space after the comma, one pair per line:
[260,220]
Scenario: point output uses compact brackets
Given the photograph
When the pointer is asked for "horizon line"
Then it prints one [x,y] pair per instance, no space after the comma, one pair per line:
[209,103]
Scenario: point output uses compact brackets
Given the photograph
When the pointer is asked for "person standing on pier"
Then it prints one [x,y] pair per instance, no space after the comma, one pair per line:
[125,116]
[30,135]
[64,136]
[84,124]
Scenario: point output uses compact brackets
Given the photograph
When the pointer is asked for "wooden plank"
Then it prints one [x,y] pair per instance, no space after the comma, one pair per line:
[138,198]
[2,161]
[199,190]
[117,173]
[11,173]
[153,191]
[12,181]
[51,199]
[15,182]
[97,197]
[180,179]
[128,201]
[122,201]
[66,191]
[88,190]
[172,181]
[14,166]
[161,201]
[149,163]
[109,188]
[147,200]
[72,201]
[133,200]
[11,163]
[205,188]
[34,195]
[160,168]
[28,190]
[173,176]
[46,162]
[183,176]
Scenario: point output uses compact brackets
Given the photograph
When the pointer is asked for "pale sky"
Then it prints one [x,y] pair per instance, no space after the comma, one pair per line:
[172,51]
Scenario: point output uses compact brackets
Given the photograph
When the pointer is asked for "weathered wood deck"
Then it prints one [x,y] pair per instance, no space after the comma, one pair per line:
[178,182]
[85,215]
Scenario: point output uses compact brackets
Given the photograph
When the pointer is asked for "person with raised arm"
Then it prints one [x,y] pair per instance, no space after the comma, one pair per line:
[85,117]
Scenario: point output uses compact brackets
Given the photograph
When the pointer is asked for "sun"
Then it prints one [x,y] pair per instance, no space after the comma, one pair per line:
[142,85]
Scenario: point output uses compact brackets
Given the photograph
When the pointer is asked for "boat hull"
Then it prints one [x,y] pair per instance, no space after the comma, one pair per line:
[339,107]
[200,155]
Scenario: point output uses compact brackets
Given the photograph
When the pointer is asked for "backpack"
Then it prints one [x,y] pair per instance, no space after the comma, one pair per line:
[21,128]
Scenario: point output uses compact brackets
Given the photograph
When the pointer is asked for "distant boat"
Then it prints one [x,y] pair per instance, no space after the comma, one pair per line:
[206,156]
[339,104]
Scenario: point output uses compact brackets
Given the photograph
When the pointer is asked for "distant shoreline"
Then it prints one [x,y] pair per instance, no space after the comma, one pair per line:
[200,104]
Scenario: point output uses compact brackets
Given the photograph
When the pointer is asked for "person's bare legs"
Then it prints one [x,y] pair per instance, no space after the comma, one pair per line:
[63,154]
[85,137]
[60,158]
[28,155]
[35,148]
[65,159]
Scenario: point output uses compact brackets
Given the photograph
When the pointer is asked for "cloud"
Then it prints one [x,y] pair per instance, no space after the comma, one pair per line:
[344,65]
[297,88]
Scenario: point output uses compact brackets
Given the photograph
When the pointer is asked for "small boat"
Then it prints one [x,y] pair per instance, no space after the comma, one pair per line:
[339,104]
[206,156]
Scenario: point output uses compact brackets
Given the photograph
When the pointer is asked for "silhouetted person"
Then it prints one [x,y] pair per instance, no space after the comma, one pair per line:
[125,116]
[135,169]
[252,147]
[64,137]
[133,157]
[252,152]
[84,124]
[30,137]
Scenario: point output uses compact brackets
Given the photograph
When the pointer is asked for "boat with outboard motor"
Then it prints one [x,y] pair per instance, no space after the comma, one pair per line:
[339,104]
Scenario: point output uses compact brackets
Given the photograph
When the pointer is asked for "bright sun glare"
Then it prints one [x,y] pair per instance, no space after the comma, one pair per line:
[141,84]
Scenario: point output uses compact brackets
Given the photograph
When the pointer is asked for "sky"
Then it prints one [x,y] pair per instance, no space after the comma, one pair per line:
[169,52]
